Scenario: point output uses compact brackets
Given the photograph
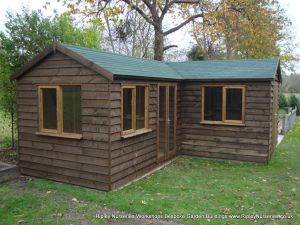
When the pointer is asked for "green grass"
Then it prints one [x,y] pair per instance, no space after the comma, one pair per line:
[186,186]
[5,131]
[42,207]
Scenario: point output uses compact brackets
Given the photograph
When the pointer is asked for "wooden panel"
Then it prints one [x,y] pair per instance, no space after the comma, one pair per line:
[83,162]
[244,143]
[135,156]
[235,157]
[65,179]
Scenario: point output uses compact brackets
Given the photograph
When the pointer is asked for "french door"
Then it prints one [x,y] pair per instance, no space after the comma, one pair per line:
[166,122]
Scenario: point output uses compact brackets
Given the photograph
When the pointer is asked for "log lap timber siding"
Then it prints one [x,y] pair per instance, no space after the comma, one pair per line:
[83,162]
[104,160]
[243,143]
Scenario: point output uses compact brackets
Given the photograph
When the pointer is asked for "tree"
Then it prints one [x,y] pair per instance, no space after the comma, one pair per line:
[29,32]
[283,103]
[246,29]
[153,11]
[196,54]
[294,102]
[132,36]
[7,94]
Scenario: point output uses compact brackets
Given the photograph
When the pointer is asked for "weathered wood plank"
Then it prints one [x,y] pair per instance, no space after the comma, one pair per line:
[65,164]
[65,179]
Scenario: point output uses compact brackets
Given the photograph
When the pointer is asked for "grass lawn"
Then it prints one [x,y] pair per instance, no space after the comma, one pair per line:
[5,131]
[186,186]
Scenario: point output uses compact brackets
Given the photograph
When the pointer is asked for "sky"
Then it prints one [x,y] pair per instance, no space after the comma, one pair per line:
[291,6]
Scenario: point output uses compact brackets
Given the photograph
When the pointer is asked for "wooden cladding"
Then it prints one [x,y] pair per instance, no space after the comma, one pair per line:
[223,104]
[134,104]
[59,110]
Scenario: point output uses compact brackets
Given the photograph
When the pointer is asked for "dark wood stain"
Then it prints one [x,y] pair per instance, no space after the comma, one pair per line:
[105,161]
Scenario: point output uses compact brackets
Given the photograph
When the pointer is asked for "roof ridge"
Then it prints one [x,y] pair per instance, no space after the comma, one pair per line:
[112,53]
[126,56]
[224,60]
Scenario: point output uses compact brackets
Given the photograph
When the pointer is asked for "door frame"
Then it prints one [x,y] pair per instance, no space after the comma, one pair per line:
[167,154]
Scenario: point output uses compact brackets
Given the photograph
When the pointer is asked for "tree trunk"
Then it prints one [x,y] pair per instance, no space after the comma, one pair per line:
[12,131]
[158,44]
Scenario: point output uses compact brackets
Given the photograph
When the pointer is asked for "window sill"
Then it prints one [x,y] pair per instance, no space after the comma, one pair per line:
[136,133]
[223,123]
[70,136]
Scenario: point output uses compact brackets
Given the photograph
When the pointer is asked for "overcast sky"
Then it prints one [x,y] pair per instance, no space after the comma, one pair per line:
[292,7]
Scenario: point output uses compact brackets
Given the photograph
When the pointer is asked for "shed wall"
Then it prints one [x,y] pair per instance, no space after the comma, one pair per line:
[135,156]
[83,162]
[273,117]
[102,159]
[243,143]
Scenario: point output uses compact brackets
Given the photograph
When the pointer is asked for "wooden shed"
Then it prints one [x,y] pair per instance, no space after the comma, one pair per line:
[100,120]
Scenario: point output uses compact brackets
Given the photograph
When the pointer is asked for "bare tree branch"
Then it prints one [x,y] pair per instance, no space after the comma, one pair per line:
[170,46]
[164,10]
[182,24]
[152,8]
[170,3]
[141,12]
[184,1]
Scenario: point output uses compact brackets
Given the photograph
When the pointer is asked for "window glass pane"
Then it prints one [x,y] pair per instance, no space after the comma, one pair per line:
[171,118]
[162,120]
[71,109]
[127,108]
[234,103]
[140,107]
[49,108]
[213,103]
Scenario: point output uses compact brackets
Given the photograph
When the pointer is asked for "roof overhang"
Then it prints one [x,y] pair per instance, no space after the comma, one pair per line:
[60,48]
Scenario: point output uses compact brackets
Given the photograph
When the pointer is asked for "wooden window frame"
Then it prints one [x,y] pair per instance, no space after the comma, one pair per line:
[59,110]
[134,131]
[224,95]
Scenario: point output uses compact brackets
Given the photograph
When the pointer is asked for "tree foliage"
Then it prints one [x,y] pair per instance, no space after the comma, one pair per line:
[132,36]
[283,103]
[152,11]
[246,29]
[294,102]
[196,54]
[291,84]
[29,32]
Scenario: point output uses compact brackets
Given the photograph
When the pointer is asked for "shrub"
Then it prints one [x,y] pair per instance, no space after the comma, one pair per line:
[294,102]
[283,103]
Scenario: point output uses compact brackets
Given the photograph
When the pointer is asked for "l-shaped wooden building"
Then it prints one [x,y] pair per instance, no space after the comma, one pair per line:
[100,120]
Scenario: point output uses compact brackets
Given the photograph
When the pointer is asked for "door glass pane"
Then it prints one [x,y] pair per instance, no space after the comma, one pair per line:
[127,109]
[234,103]
[71,109]
[162,121]
[213,103]
[171,118]
[140,107]
[49,108]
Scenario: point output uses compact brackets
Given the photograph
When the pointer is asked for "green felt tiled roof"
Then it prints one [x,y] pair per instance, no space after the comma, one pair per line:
[123,65]
[126,65]
[226,69]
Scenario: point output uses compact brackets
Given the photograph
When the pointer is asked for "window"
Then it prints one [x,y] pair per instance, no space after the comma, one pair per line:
[60,110]
[134,108]
[223,104]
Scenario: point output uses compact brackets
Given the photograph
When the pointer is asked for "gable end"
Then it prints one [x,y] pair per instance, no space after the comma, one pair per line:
[57,47]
